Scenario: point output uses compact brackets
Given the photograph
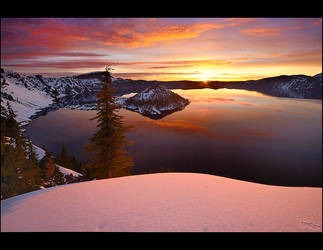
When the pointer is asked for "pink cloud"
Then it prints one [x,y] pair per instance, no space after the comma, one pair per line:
[317,22]
[264,31]
[94,63]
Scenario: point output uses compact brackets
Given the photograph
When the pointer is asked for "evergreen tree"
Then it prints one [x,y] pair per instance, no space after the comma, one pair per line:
[13,157]
[9,125]
[9,171]
[32,171]
[85,171]
[50,172]
[63,158]
[4,115]
[47,165]
[19,165]
[58,177]
[67,161]
[3,82]
[106,147]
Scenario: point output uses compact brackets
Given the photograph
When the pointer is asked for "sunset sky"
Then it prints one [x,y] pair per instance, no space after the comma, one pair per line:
[164,48]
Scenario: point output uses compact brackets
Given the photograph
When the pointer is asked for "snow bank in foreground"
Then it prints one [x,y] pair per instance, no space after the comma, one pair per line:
[165,202]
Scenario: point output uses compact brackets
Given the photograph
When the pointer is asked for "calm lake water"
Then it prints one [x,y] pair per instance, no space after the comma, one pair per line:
[233,133]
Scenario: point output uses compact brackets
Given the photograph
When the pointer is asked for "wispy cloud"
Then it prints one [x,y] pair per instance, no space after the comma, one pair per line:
[317,22]
[95,63]
[265,31]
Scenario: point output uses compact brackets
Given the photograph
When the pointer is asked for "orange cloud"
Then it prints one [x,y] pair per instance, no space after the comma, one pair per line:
[160,33]
[267,31]
[57,42]
[317,22]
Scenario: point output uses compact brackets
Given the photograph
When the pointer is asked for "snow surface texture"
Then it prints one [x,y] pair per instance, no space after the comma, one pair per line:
[165,202]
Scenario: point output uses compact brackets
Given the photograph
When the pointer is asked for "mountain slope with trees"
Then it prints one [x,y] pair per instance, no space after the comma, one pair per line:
[24,166]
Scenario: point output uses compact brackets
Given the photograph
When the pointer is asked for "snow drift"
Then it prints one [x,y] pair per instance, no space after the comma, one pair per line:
[165,202]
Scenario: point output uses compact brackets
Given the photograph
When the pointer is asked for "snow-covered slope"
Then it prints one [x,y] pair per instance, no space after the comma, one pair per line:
[25,97]
[165,202]
[40,153]
[298,86]
[30,94]
[154,102]
[294,86]
[66,171]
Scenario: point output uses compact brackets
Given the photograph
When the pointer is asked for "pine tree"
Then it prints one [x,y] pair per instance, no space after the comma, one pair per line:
[67,161]
[47,165]
[9,125]
[32,171]
[9,174]
[19,165]
[58,177]
[49,171]
[63,158]
[106,147]
[13,157]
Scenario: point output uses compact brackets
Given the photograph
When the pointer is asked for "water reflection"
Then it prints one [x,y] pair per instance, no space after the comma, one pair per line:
[233,133]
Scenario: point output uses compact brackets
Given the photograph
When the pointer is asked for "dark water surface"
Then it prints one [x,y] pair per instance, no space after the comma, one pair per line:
[233,133]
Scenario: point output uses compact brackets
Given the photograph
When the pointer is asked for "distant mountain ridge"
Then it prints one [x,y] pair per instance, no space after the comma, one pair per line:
[294,86]
[298,86]
[29,94]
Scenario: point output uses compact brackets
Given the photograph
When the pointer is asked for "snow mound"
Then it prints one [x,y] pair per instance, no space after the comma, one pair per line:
[165,202]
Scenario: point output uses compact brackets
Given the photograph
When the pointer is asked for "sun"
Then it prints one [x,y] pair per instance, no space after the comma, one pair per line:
[205,78]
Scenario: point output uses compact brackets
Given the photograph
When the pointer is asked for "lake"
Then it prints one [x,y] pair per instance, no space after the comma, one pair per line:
[238,134]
